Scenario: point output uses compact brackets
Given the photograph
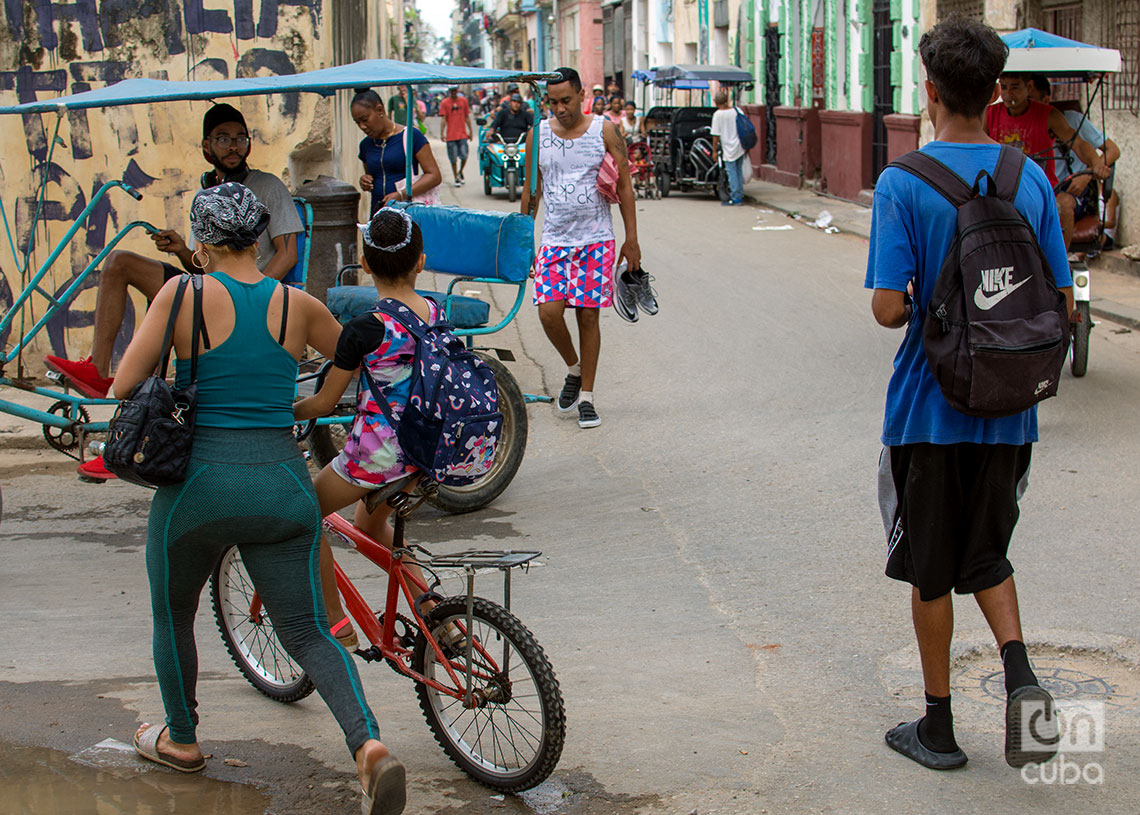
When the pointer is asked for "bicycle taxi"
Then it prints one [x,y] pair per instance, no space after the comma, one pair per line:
[1080,69]
[488,693]
[501,260]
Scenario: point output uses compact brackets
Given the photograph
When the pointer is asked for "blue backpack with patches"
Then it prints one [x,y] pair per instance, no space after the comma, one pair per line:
[451,424]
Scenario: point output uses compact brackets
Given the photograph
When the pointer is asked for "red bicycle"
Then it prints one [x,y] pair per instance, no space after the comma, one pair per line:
[485,686]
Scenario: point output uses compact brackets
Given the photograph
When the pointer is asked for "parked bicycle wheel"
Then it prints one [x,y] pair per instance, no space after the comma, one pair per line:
[326,441]
[248,634]
[511,738]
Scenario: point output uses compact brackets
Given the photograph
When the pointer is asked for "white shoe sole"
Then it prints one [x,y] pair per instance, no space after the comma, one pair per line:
[566,411]
[589,424]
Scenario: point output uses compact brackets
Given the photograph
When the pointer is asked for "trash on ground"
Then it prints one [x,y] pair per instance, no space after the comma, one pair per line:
[781,228]
[1131,252]
[766,211]
[823,220]
[831,230]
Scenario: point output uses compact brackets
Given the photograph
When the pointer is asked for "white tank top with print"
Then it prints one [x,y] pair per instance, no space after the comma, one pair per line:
[576,214]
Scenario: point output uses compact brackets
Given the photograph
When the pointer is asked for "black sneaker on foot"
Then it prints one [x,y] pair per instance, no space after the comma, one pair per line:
[568,399]
[643,292]
[587,416]
[625,299]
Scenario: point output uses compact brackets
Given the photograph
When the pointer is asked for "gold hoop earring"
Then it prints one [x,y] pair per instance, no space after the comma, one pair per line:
[203,264]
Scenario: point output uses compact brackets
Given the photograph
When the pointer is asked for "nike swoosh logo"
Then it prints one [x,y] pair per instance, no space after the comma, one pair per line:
[986,303]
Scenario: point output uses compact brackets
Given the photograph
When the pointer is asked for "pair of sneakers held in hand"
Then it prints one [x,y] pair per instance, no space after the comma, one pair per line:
[633,291]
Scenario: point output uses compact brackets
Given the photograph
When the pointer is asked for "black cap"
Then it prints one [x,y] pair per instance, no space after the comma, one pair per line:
[220,115]
[515,97]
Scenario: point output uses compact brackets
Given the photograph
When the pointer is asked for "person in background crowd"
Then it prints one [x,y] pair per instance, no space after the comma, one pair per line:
[398,108]
[383,153]
[616,110]
[226,144]
[1076,195]
[599,108]
[599,92]
[613,91]
[456,130]
[632,123]
[246,484]
[575,263]
[726,141]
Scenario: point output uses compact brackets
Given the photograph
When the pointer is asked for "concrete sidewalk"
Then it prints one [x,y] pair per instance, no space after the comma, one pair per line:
[1115,279]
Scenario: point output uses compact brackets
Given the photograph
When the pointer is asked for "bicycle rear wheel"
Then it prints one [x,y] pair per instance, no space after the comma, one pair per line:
[248,634]
[511,738]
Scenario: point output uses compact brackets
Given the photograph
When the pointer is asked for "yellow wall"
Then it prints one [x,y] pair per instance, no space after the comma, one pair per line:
[60,47]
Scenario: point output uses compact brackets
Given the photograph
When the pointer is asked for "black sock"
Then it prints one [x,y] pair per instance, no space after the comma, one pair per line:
[1018,674]
[936,728]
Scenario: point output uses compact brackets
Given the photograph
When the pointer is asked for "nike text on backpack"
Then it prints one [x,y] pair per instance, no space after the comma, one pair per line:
[451,424]
[996,331]
[745,131]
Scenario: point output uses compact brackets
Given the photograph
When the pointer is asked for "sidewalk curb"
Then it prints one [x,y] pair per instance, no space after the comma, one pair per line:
[1117,313]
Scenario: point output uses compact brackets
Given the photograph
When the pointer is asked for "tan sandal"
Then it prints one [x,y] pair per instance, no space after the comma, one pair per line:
[347,638]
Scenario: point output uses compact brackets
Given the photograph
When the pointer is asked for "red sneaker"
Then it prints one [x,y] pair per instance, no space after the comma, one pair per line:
[82,375]
[94,471]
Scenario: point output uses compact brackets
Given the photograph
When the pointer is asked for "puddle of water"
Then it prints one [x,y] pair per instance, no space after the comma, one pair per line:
[108,780]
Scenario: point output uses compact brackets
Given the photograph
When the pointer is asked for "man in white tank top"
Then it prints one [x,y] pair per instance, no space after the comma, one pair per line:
[576,259]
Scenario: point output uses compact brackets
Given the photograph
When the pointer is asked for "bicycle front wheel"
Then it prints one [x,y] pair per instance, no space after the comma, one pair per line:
[248,634]
[510,738]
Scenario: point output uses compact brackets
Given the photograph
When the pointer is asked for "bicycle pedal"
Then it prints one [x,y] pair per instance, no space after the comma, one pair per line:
[54,376]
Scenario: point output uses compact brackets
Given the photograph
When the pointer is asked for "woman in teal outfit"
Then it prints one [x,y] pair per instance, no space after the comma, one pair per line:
[247,483]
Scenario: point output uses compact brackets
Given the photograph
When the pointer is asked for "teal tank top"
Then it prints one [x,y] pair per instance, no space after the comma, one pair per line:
[250,379]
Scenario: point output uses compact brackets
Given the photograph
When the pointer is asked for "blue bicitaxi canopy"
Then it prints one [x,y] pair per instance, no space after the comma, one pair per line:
[1034,51]
[372,73]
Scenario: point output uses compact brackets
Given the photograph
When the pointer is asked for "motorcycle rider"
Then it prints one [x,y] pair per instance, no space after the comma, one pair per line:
[511,122]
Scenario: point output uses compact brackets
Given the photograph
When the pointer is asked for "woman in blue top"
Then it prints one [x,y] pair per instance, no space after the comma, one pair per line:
[246,484]
[382,150]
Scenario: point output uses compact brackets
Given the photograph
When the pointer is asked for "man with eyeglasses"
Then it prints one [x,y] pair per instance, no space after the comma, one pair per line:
[225,145]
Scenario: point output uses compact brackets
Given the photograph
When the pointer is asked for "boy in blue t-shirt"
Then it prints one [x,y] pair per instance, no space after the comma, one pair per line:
[950,483]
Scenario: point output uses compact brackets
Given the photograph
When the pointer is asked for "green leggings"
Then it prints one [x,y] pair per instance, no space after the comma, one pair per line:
[250,488]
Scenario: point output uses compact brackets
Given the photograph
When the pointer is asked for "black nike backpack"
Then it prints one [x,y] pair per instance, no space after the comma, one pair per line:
[996,331]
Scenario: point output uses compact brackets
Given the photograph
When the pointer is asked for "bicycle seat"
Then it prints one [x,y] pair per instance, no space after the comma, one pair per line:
[381,496]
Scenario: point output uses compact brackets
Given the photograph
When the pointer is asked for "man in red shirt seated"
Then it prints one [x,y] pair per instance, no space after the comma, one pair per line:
[1032,126]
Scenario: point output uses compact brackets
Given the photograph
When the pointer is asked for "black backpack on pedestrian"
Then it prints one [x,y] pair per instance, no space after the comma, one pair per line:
[996,331]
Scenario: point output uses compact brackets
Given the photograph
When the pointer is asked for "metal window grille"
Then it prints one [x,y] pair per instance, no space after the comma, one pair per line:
[975,9]
[1122,32]
[1065,21]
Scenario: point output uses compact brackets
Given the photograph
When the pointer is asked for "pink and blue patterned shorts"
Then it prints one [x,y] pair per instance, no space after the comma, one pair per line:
[583,276]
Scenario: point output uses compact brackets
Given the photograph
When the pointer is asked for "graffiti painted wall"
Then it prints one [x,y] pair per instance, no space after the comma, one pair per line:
[48,48]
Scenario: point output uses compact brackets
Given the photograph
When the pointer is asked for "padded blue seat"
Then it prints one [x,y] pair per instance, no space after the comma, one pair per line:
[347,302]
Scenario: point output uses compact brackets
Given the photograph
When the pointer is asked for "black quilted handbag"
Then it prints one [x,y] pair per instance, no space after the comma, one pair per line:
[152,431]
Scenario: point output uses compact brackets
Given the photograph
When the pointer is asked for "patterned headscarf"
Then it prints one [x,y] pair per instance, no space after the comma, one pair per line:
[228,215]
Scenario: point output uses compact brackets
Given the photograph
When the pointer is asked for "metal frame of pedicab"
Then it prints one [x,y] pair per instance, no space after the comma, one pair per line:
[326,81]
[689,77]
[1038,52]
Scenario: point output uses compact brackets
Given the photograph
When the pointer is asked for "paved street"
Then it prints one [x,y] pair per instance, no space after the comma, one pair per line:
[711,594]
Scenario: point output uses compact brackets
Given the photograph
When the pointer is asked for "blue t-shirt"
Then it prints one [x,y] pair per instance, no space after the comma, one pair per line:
[912,227]
[384,161]
[1071,162]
